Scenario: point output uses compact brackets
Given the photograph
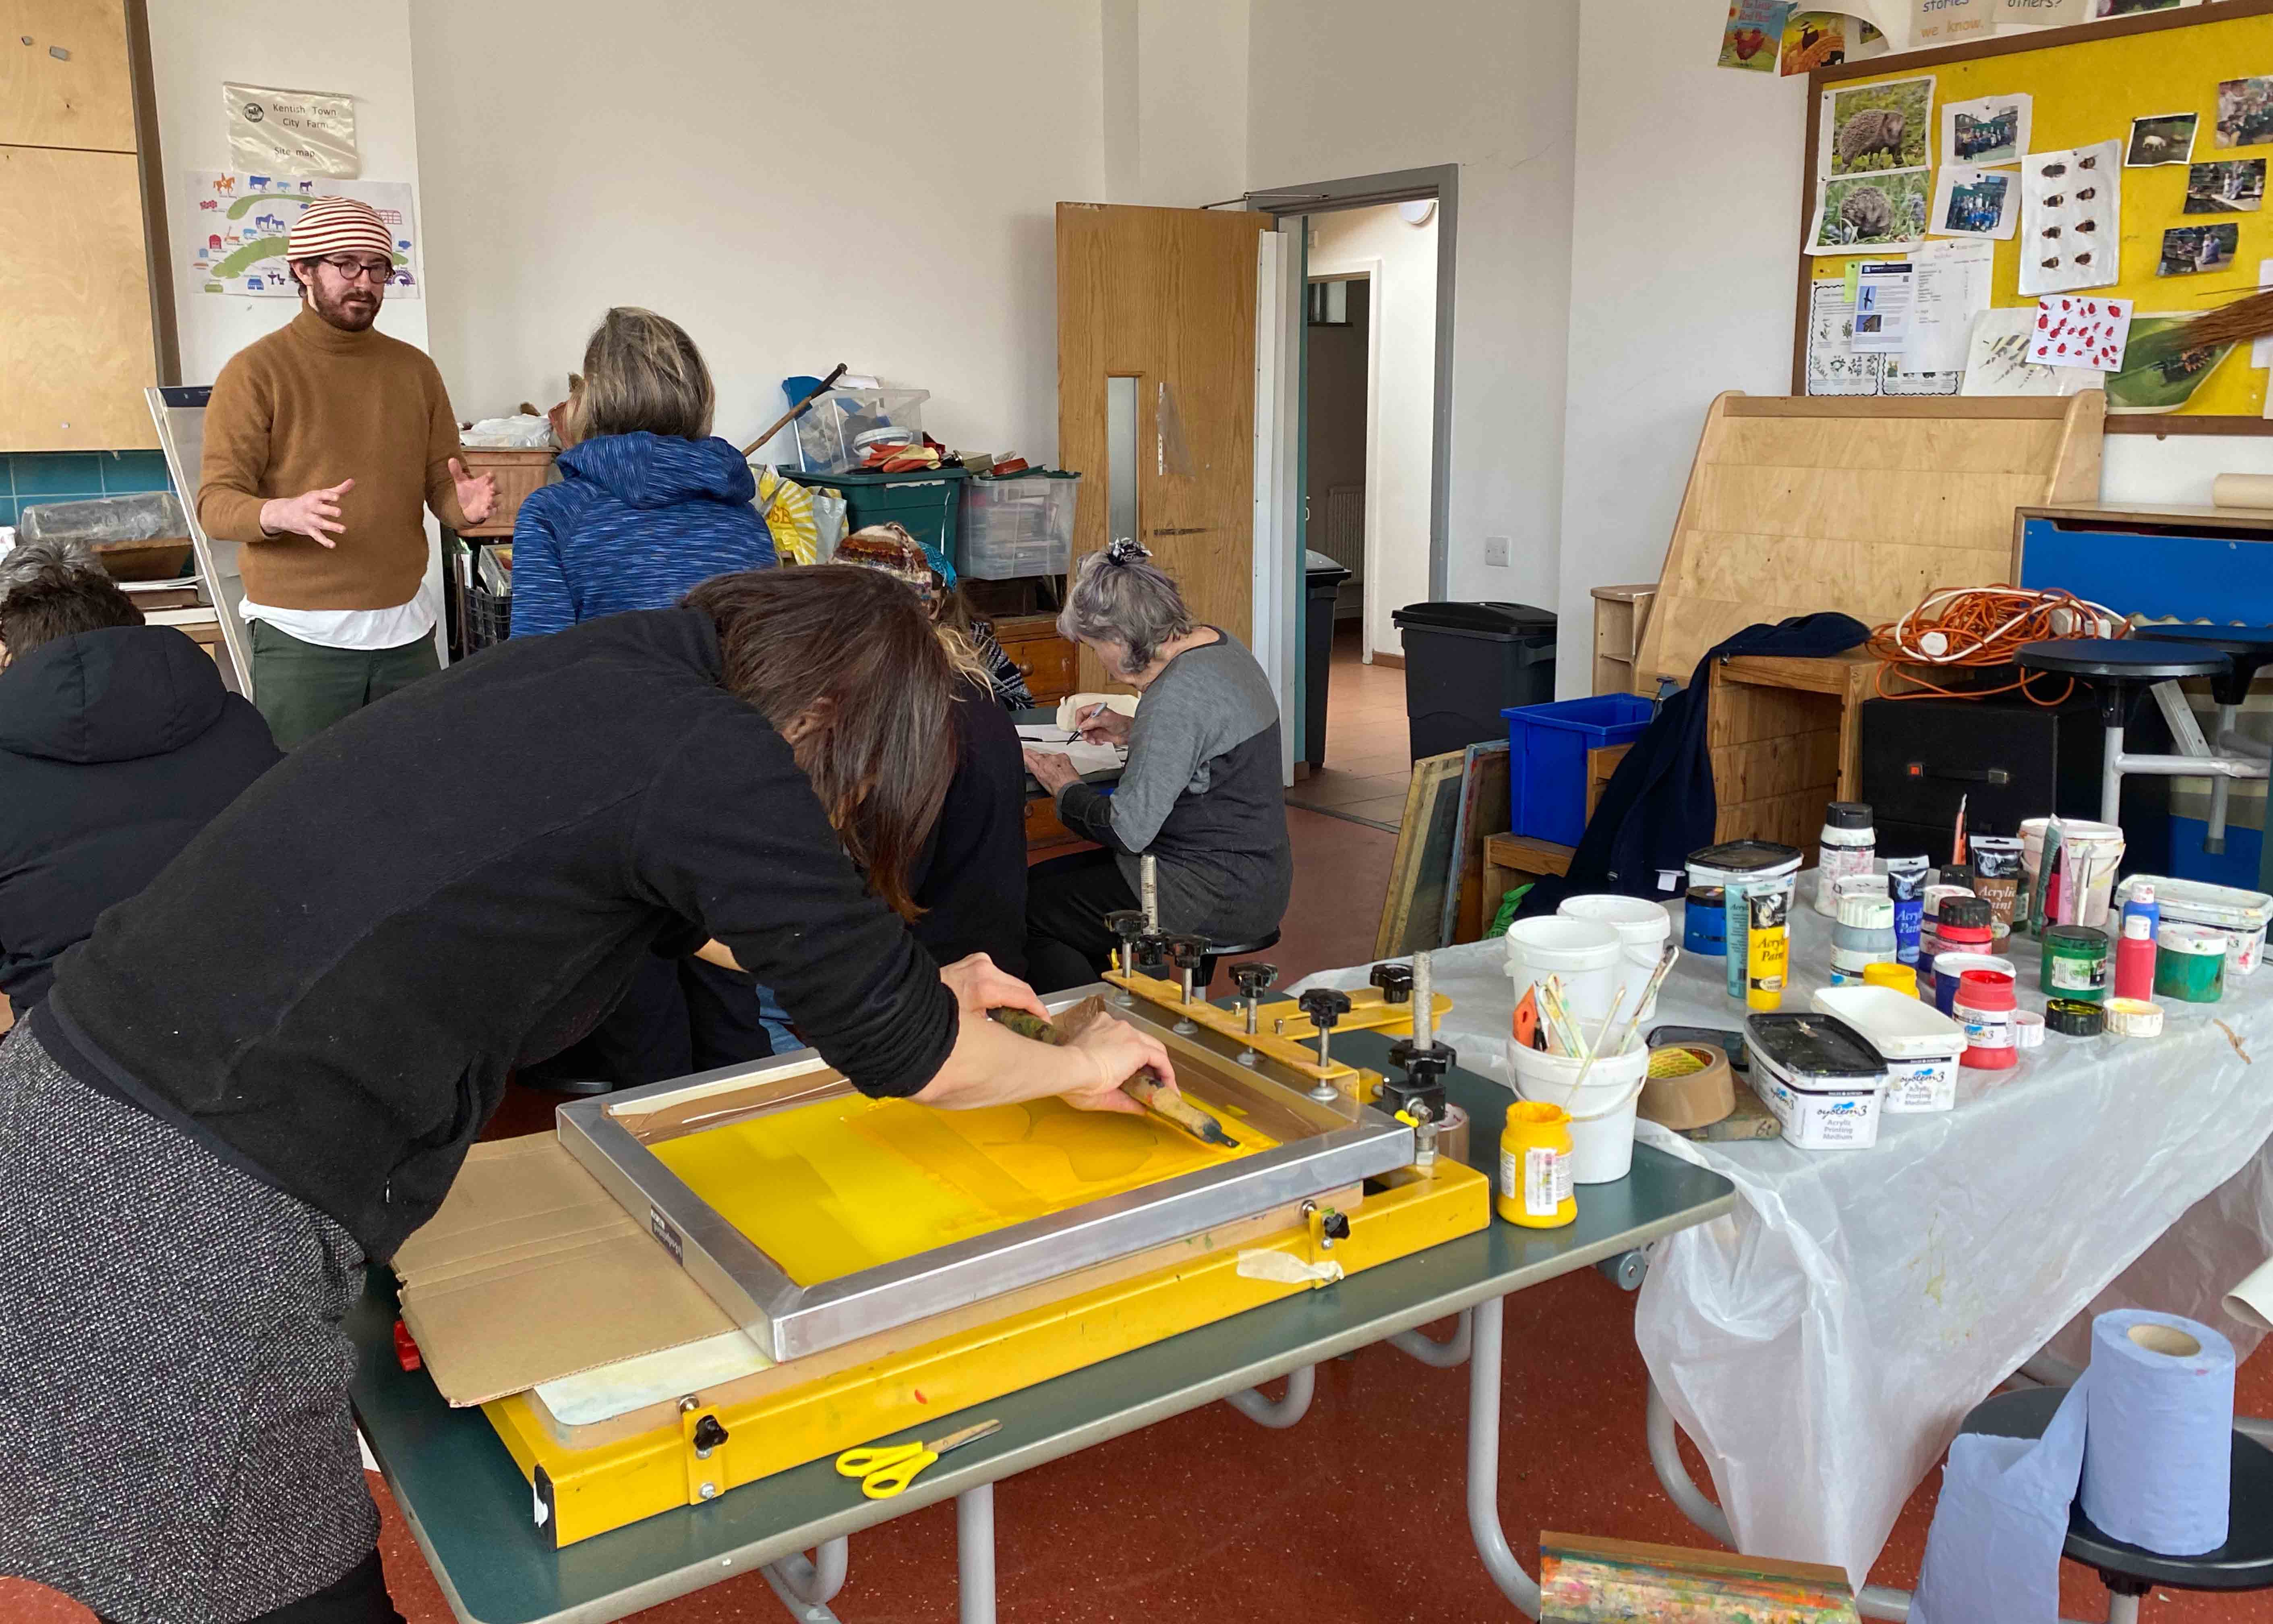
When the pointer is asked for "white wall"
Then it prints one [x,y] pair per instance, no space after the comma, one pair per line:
[1347,87]
[196,46]
[792,183]
[1401,261]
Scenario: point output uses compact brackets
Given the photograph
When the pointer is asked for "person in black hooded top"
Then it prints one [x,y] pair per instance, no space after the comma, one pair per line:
[117,743]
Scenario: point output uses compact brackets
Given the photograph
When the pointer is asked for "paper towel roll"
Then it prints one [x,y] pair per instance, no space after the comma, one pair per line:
[2252,1301]
[2242,491]
[2158,1452]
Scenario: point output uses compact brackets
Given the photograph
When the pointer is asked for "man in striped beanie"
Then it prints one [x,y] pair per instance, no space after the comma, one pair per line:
[325,442]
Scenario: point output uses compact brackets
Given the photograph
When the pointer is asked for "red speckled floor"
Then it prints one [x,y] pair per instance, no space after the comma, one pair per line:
[1356,1515]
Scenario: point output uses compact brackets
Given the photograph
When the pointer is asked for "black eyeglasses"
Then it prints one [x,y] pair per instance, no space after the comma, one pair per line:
[376,271]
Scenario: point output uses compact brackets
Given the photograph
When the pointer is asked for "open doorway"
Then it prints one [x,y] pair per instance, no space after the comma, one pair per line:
[1369,461]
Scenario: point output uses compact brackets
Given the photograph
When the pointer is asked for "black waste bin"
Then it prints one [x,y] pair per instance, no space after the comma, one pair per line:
[1325,578]
[1464,662]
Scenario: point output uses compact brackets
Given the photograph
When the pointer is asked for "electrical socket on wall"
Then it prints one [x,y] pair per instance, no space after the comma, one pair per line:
[1495,551]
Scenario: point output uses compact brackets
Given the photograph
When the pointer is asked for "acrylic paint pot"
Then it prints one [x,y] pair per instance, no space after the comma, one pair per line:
[2074,963]
[1822,1079]
[1982,1004]
[1704,929]
[1919,1044]
[1948,967]
[1535,1168]
[1589,956]
[1900,977]
[1601,1109]
[1643,925]
[2190,963]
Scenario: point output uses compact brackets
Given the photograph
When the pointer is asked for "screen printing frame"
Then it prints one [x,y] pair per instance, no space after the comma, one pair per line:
[1350,1143]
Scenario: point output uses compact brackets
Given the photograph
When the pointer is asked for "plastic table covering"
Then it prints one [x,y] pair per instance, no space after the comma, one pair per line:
[1823,1341]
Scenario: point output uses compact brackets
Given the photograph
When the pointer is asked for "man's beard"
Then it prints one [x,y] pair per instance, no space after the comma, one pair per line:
[352,311]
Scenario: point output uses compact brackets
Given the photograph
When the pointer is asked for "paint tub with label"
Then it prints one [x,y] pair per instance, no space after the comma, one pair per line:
[1948,967]
[1982,1004]
[1704,929]
[1847,846]
[1900,977]
[1535,1168]
[1600,1108]
[2075,963]
[1820,1078]
[2190,962]
[1997,876]
[1920,1045]
[1864,936]
[2241,915]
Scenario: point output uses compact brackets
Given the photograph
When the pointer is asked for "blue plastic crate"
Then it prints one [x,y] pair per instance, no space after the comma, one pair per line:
[1546,747]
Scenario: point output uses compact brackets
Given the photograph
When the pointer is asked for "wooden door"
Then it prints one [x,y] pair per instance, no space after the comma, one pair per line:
[63,78]
[1166,296]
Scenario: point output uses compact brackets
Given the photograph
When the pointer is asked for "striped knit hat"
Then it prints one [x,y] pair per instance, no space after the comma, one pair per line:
[339,225]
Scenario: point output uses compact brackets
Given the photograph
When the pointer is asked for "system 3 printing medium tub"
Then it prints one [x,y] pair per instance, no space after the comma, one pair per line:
[1822,1079]
[1919,1043]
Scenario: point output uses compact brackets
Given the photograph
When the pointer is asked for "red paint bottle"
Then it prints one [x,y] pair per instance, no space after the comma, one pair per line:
[2134,951]
[1983,1007]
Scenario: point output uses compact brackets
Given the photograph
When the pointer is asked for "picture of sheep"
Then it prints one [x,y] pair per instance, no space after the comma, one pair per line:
[1875,211]
[2168,138]
[1877,127]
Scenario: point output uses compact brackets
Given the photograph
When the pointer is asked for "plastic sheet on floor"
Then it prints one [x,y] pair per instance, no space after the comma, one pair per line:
[1822,1342]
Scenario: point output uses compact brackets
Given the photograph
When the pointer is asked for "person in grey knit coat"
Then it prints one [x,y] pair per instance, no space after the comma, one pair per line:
[1202,792]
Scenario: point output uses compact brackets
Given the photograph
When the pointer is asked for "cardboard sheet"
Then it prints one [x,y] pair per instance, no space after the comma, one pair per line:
[531,1272]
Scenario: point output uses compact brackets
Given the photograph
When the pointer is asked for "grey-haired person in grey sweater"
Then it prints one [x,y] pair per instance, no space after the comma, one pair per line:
[1202,790]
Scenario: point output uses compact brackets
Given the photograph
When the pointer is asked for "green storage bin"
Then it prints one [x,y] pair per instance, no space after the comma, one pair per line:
[926,503]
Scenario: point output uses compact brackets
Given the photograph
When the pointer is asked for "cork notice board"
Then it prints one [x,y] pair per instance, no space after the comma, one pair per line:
[2088,83]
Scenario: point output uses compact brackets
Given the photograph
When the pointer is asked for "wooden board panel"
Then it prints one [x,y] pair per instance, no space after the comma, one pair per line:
[1166,296]
[75,344]
[1411,910]
[1485,795]
[83,100]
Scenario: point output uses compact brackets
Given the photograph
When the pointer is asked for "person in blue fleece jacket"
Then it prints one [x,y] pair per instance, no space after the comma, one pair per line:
[649,501]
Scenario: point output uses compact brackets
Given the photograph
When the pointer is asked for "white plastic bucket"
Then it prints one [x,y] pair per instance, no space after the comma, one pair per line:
[1601,1108]
[1643,925]
[1589,956]
[2102,843]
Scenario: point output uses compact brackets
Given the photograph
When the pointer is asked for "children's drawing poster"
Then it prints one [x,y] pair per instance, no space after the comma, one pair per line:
[235,230]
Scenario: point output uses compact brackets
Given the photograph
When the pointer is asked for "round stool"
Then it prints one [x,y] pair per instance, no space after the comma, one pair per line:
[1219,950]
[2117,667]
[2244,1562]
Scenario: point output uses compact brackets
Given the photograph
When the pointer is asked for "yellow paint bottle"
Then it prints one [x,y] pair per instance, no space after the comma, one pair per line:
[1768,950]
[1534,1167]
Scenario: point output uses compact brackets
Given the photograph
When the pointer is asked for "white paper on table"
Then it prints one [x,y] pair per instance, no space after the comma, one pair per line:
[1988,131]
[2079,329]
[1884,293]
[1952,290]
[1969,201]
[1997,358]
[1832,366]
[2057,255]
[1086,758]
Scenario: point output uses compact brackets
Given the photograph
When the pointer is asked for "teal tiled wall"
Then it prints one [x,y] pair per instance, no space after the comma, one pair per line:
[30,476]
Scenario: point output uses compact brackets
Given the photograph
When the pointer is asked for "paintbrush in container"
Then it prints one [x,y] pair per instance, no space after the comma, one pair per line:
[1145,1087]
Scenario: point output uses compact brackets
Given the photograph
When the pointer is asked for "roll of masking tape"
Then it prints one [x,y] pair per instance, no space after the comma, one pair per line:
[2028,1029]
[1688,1086]
[2134,1018]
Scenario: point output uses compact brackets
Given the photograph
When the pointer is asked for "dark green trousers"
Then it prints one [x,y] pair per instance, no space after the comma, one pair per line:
[303,688]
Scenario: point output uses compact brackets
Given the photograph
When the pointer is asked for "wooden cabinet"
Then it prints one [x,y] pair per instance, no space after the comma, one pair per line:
[1621,614]
[1044,828]
[75,334]
[63,76]
[1043,657]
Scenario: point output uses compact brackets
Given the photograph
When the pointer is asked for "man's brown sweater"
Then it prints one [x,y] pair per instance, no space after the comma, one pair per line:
[308,407]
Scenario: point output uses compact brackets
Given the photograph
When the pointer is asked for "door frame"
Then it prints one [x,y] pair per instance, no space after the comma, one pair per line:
[1441,182]
[1370,272]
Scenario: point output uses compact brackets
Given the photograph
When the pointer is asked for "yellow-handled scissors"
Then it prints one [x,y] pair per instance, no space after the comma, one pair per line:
[884,1469]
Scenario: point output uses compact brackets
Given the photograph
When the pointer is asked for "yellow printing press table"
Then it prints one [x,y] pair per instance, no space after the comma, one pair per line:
[1187,1336]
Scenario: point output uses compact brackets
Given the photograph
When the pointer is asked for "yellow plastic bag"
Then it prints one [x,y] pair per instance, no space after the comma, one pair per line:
[788,509]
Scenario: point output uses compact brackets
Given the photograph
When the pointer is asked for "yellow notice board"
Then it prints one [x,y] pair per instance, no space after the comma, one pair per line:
[2088,84]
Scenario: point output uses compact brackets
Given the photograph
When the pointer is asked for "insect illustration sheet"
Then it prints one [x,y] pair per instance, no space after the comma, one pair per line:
[1832,365]
[2075,330]
[1997,358]
[2072,219]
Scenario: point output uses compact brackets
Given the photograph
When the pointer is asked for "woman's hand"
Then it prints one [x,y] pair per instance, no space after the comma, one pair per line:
[1117,1051]
[1053,769]
[980,985]
[1102,724]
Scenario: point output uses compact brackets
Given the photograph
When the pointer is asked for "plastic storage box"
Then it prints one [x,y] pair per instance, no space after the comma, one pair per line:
[828,433]
[1546,747]
[925,502]
[1020,525]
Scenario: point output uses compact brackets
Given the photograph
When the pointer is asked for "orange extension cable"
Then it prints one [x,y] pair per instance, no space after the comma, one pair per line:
[1972,628]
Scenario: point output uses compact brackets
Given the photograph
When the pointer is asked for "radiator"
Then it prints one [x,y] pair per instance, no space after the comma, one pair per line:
[1343,539]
